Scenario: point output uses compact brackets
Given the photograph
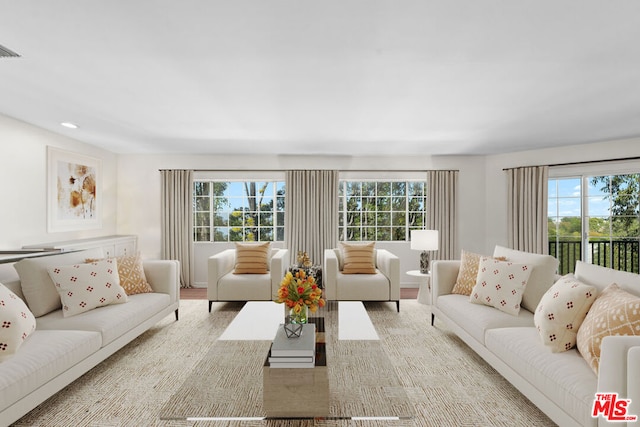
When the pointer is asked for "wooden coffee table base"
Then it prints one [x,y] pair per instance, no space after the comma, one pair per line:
[296,392]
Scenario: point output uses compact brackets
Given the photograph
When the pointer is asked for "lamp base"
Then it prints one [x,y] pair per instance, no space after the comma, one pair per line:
[424,262]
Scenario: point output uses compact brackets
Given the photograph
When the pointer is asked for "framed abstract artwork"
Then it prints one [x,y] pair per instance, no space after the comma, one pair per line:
[74,191]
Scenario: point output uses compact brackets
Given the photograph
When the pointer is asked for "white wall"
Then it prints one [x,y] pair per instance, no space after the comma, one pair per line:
[23,180]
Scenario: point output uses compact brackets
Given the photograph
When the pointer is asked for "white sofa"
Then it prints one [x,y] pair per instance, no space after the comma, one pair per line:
[562,385]
[224,285]
[384,285]
[61,349]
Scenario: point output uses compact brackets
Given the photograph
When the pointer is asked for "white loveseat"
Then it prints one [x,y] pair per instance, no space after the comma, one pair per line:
[61,349]
[562,385]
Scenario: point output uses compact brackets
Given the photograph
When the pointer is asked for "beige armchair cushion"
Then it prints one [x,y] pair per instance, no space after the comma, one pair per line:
[358,259]
[252,258]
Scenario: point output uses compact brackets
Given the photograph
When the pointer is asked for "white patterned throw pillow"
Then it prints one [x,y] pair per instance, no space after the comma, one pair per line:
[16,323]
[500,284]
[561,311]
[83,287]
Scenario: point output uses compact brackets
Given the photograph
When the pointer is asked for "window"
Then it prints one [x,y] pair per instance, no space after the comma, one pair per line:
[380,210]
[595,218]
[238,211]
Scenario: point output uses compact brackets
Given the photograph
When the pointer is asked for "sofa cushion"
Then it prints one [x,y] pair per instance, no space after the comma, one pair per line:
[363,287]
[83,287]
[252,258]
[359,258]
[543,273]
[564,377]
[561,311]
[468,273]
[614,312]
[601,277]
[39,291]
[500,284]
[111,322]
[43,356]
[232,287]
[16,323]
[476,319]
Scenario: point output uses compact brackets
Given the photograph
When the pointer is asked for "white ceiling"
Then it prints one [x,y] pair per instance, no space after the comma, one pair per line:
[326,76]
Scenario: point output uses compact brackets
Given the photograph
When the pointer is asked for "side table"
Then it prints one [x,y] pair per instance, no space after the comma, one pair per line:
[424,292]
[314,271]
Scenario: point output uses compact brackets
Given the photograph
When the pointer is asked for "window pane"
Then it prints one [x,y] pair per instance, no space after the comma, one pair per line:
[202,219]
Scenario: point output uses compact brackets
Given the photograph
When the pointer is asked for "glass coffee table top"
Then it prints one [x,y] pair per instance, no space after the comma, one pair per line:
[227,384]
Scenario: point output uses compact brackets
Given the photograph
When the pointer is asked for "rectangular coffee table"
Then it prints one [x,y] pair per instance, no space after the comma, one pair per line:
[229,383]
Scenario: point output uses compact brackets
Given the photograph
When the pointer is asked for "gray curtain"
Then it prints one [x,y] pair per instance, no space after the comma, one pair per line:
[442,211]
[177,221]
[527,209]
[311,217]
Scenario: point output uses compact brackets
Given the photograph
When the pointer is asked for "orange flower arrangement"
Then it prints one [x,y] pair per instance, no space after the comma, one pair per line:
[300,291]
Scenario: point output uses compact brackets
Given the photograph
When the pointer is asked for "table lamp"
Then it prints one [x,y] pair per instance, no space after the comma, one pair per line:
[424,240]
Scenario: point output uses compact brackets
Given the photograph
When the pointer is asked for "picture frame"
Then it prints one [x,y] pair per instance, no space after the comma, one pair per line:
[74,191]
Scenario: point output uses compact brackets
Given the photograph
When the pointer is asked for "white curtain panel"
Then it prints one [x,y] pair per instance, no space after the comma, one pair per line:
[311,216]
[177,221]
[442,210]
[527,209]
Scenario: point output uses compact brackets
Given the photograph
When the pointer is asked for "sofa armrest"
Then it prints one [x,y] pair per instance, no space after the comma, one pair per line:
[389,265]
[619,369]
[278,268]
[163,276]
[330,275]
[443,277]
[217,266]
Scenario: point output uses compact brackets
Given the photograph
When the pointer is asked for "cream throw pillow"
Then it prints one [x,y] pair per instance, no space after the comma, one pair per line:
[561,311]
[83,287]
[16,323]
[358,258]
[614,312]
[252,258]
[500,284]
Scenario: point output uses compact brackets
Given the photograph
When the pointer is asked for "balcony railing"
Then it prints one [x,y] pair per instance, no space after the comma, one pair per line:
[621,254]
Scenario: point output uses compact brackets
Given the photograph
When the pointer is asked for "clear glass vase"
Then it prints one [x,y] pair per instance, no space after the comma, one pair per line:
[301,317]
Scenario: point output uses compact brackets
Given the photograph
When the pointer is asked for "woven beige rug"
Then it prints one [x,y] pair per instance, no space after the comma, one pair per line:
[446,383]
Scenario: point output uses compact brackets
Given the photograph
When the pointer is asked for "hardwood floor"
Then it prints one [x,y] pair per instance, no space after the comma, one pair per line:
[201,293]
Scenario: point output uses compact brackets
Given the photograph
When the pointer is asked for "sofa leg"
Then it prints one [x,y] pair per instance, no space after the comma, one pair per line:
[210,304]
[398,305]
[176,314]
[433,318]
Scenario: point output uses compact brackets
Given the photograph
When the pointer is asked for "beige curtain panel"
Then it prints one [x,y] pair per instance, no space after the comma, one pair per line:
[311,217]
[527,209]
[442,211]
[177,221]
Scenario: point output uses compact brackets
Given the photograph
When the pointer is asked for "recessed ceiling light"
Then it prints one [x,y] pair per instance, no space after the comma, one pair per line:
[69,125]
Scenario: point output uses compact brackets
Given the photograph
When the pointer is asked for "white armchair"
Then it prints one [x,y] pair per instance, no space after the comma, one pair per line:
[224,285]
[384,285]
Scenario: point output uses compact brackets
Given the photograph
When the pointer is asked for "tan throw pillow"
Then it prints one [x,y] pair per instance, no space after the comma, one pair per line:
[131,273]
[468,273]
[251,258]
[561,312]
[500,284]
[358,258]
[614,312]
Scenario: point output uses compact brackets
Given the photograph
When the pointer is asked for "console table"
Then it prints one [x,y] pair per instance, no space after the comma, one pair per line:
[112,246]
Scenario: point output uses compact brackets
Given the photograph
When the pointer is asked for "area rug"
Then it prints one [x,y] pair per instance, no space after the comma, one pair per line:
[446,383]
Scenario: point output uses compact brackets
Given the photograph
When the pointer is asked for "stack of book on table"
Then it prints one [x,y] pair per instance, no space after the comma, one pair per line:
[294,352]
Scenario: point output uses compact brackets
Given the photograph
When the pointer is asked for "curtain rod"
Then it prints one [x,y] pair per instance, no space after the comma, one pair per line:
[584,162]
[345,170]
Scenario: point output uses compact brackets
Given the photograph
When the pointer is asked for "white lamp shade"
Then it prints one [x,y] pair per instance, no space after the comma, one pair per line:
[424,240]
